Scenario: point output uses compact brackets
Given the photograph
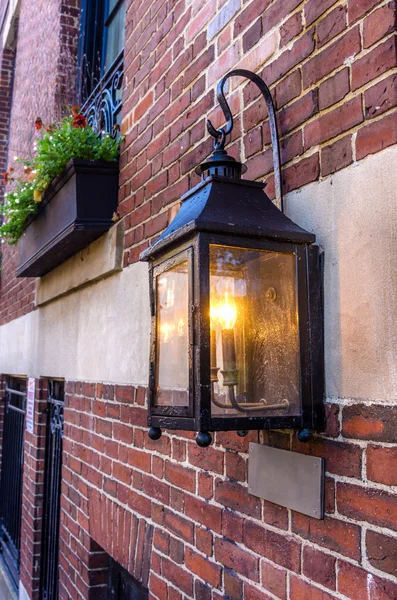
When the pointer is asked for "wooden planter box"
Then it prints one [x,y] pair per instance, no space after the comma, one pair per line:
[77,208]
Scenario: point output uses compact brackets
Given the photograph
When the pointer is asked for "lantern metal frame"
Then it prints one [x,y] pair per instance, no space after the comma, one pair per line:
[253,222]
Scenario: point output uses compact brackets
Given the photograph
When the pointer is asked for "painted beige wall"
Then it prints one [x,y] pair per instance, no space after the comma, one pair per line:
[101,332]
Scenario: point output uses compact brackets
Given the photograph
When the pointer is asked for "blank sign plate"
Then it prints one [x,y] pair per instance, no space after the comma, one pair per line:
[286,478]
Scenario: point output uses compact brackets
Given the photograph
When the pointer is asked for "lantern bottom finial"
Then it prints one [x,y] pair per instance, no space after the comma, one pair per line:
[154,433]
[304,435]
[203,439]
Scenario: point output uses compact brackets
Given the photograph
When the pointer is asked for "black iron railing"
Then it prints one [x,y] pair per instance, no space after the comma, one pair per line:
[52,493]
[11,475]
[103,107]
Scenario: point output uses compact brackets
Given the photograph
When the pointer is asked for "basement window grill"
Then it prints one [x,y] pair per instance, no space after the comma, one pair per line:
[52,491]
[101,63]
[122,586]
[11,474]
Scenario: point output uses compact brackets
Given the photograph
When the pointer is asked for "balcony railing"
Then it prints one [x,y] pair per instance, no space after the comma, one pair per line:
[103,107]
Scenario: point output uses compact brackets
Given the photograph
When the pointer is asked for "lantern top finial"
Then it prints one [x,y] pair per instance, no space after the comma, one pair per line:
[221,164]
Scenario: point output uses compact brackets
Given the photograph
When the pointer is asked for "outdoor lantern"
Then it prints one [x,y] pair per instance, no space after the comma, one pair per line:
[236,305]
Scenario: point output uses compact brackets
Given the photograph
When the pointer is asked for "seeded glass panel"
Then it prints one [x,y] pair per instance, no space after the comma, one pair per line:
[115,34]
[254,332]
[172,289]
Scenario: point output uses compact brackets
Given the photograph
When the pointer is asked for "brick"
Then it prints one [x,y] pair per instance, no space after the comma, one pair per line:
[333,123]
[178,576]
[275,515]
[290,58]
[236,466]
[377,423]
[236,497]
[301,173]
[280,549]
[204,568]
[233,585]
[196,25]
[333,89]
[223,64]
[297,113]
[276,12]
[253,35]
[381,97]
[180,476]
[341,458]
[204,540]
[377,61]
[143,106]
[234,557]
[331,25]
[209,461]
[204,513]
[291,29]
[382,552]
[232,526]
[253,593]
[288,89]
[365,504]
[336,156]
[157,586]
[379,24]
[330,533]
[156,489]
[332,57]
[315,8]
[319,567]
[358,8]
[161,541]
[202,591]
[223,17]
[248,15]
[177,551]
[382,465]
[357,584]
[371,139]
[274,579]
[199,66]
[303,590]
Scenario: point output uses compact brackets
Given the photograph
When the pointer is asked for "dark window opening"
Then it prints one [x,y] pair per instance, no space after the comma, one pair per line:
[11,474]
[122,586]
[101,44]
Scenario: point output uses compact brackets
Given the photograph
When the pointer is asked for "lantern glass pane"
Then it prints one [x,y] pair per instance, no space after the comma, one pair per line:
[172,377]
[255,347]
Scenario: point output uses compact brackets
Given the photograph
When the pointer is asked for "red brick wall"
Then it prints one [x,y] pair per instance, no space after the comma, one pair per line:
[181,510]
[332,76]
[43,85]
[186,512]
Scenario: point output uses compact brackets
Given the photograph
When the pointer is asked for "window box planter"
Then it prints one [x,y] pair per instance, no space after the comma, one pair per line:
[76,209]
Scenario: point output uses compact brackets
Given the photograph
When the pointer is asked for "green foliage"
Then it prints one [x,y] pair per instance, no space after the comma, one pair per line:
[71,138]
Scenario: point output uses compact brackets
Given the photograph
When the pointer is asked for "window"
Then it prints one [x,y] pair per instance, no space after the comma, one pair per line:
[122,586]
[101,44]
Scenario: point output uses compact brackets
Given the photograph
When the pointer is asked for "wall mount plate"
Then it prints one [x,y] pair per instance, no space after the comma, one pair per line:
[289,479]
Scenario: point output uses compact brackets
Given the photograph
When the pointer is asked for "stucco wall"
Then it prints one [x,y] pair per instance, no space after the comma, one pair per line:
[101,332]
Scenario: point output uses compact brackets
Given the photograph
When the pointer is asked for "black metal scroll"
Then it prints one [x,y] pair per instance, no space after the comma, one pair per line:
[220,134]
[103,107]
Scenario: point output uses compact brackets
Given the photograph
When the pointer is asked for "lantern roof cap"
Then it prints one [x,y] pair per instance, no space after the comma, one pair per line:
[232,206]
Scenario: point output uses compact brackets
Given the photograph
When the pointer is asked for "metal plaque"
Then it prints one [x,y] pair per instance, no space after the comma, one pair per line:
[287,478]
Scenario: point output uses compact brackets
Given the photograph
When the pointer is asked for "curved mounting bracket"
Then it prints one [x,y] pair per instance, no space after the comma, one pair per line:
[220,134]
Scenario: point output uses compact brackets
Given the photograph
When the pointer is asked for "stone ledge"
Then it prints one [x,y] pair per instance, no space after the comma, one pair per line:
[100,259]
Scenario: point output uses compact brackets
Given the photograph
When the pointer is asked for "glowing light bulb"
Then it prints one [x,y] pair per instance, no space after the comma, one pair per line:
[227,312]
[166,330]
[213,314]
